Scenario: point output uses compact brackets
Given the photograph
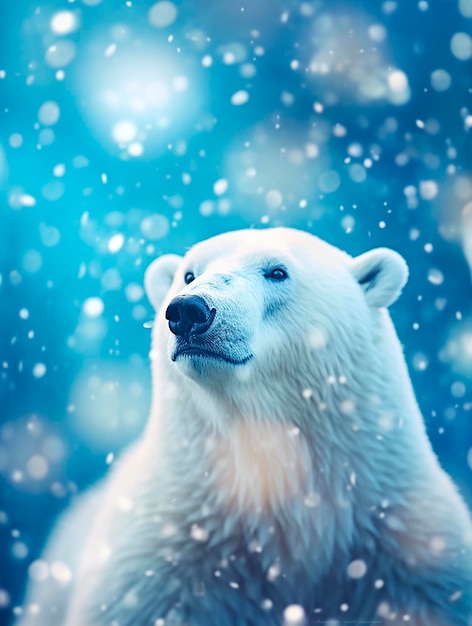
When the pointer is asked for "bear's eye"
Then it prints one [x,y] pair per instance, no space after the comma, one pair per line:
[278,273]
[189,277]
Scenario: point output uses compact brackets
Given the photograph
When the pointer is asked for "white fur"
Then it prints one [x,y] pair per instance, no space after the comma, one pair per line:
[255,486]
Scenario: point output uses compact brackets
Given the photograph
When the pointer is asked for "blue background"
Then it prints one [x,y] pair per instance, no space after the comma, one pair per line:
[112,137]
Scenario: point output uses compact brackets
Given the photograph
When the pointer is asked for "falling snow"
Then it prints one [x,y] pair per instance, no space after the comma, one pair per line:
[131,133]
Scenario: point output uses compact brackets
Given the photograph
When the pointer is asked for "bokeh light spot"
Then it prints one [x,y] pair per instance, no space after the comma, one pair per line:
[124,131]
[49,113]
[461,46]
[37,467]
[240,97]
[60,54]
[155,226]
[440,80]
[93,307]
[294,615]
[64,22]
[162,14]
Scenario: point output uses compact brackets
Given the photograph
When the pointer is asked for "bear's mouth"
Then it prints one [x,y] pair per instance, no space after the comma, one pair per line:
[192,352]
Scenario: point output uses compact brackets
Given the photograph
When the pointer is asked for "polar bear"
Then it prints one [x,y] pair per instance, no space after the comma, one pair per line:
[284,476]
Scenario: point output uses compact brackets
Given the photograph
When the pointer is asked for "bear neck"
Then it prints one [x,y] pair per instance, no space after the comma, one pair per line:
[310,453]
[331,437]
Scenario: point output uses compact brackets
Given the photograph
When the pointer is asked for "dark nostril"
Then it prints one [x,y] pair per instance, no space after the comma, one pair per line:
[189,314]
[172,313]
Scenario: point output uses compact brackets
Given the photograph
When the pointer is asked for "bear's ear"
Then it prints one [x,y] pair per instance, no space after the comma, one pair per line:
[159,276]
[382,274]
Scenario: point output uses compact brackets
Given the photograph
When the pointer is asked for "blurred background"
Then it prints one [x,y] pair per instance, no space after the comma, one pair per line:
[129,129]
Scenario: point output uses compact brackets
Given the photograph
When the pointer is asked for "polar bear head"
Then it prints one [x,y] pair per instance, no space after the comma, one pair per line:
[277,310]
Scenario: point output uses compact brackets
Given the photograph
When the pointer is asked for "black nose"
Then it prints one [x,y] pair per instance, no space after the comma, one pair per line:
[189,314]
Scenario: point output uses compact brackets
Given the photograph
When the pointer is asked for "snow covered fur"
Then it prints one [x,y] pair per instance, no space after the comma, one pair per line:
[285,461]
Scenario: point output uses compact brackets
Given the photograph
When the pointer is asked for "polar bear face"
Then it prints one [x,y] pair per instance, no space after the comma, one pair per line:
[254,307]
